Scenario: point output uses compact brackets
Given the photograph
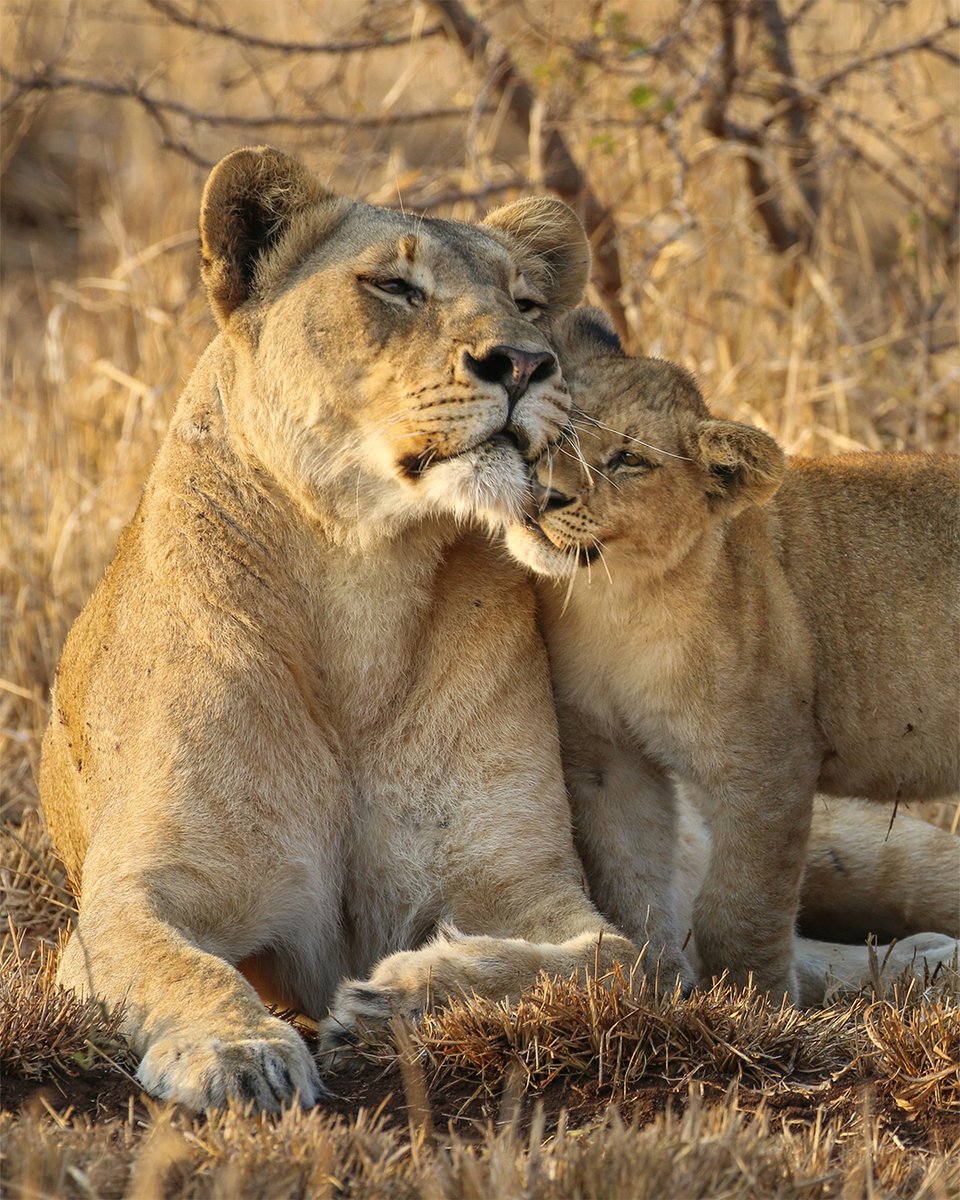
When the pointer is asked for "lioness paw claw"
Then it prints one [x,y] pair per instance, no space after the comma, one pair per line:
[269,1072]
[357,1006]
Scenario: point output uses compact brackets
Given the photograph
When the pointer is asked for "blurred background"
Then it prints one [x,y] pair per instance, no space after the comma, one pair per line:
[771,188]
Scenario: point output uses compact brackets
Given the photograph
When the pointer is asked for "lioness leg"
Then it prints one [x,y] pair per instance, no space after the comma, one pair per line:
[823,964]
[515,897]
[203,1032]
[455,965]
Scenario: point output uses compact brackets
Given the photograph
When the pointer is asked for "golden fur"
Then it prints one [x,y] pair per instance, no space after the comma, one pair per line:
[757,627]
[303,730]
[304,723]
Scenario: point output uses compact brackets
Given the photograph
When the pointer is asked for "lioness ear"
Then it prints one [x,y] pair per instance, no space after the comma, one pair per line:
[248,203]
[743,465]
[584,333]
[546,230]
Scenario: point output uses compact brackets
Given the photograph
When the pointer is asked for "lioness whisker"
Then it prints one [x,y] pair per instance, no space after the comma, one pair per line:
[578,454]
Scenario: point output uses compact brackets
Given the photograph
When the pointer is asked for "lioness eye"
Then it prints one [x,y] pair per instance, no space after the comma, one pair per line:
[526,304]
[626,458]
[396,287]
[393,287]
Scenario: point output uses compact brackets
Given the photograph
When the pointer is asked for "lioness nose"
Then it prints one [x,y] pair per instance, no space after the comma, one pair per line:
[514,369]
[549,498]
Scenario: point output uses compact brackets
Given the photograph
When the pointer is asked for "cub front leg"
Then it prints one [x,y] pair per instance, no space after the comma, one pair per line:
[203,1034]
[626,830]
[745,912]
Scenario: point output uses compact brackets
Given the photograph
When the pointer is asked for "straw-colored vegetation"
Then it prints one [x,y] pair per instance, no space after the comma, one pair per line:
[785,224]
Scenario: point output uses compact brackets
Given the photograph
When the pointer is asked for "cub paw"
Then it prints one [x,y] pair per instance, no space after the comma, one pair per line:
[269,1071]
[777,986]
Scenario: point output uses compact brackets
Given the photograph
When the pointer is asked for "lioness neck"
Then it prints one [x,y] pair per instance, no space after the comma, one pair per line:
[347,611]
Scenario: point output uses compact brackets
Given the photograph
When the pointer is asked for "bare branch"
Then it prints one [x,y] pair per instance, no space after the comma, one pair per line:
[783,235]
[561,173]
[154,104]
[802,152]
[174,14]
[929,42]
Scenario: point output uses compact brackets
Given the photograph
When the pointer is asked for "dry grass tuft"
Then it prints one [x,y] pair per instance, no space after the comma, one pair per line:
[618,1032]
[710,1150]
[917,1055]
[35,898]
[45,1031]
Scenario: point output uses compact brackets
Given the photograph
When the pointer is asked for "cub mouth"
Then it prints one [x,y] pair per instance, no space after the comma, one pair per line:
[414,465]
[585,555]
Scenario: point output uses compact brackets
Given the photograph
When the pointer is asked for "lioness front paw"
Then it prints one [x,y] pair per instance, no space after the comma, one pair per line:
[358,1006]
[271,1071]
[672,967]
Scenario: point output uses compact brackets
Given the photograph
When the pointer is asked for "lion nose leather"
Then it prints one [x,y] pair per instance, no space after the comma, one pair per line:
[512,368]
[548,498]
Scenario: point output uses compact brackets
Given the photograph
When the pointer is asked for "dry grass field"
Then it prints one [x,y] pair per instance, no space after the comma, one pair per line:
[776,208]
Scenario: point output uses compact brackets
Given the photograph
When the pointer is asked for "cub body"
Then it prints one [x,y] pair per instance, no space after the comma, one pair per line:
[758,628]
[305,720]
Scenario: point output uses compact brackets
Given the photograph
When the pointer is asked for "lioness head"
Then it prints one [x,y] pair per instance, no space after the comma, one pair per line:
[643,468]
[386,367]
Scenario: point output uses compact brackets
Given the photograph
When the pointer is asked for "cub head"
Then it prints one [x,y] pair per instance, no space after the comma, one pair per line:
[384,367]
[643,470]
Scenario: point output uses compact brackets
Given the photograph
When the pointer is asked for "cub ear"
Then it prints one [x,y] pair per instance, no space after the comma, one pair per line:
[742,465]
[550,233]
[584,333]
[248,204]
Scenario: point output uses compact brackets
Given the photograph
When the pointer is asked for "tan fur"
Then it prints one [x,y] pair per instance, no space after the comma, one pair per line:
[305,718]
[759,628]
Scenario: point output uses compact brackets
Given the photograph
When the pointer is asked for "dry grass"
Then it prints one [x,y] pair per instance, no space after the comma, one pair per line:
[710,1150]
[45,1030]
[850,344]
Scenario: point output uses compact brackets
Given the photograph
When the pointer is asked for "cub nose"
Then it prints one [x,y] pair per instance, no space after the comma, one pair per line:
[514,369]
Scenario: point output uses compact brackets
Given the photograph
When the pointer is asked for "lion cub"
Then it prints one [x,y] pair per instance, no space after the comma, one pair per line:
[759,627]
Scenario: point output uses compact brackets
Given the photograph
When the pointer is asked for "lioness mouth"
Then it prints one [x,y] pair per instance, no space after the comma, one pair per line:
[414,465]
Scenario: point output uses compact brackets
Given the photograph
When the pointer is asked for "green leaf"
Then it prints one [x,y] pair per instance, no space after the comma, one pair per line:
[641,96]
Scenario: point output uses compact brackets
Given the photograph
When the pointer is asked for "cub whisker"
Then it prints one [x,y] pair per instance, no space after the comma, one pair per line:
[598,546]
[638,441]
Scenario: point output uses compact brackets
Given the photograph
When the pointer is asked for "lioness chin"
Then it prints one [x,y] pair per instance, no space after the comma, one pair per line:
[759,628]
[306,718]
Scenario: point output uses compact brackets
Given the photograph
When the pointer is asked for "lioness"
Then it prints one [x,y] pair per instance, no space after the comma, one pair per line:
[760,628]
[306,715]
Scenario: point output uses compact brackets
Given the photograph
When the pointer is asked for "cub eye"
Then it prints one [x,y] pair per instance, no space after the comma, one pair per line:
[626,458]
